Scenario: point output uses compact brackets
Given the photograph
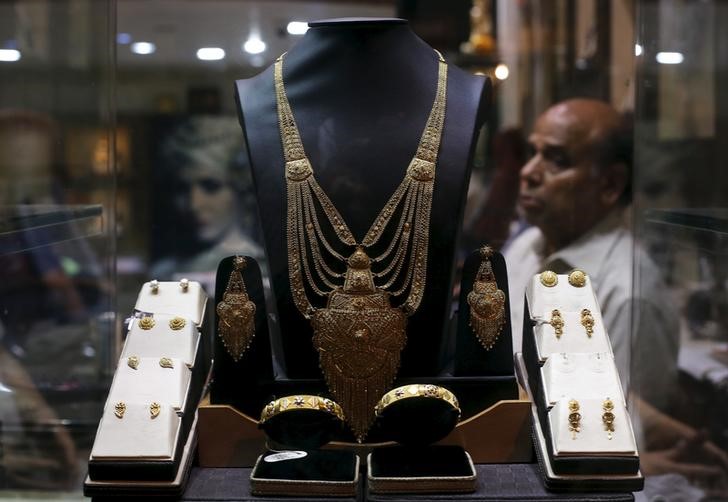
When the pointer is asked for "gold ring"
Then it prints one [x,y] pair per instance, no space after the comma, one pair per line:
[301,402]
[574,418]
[154,409]
[549,278]
[577,278]
[417,390]
[177,323]
[146,323]
[119,409]
[132,362]
[166,362]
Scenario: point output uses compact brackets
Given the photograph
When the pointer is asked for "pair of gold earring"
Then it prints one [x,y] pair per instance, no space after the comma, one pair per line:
[587,320]
[120,409]
[164,362]
[574,417]
[175,324]
[184,285]
[577,278]
[237,313]
[487,303]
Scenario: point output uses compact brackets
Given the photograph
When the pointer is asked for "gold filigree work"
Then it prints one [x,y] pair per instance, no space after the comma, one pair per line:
[237,313]
[487,303]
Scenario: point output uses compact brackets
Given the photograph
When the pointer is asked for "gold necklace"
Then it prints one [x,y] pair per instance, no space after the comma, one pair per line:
[359,334]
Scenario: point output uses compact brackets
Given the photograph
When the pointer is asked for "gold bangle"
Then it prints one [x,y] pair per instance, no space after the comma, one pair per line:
[301,402]
[416,390]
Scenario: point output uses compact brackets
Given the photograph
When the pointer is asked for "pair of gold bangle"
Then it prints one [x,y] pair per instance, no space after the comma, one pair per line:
[577,278]
[164,362]
[587,320]
[120,408]
[175,324]
[574,417]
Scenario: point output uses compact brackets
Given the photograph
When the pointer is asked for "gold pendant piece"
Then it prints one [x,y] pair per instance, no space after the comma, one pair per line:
[487,303]
[119,409]
[359,337]
[237,313]
[154,410]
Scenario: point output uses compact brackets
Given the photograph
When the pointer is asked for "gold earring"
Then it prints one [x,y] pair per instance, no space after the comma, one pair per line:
[119,409]
[146,323]
[487,303]
[557,322]
[577,278]
[184,284]
[177,323]
[237,313]
[166,362]
[154,409]
[132,362]
[549,278]
[608,417]
[587,320]
[574,418]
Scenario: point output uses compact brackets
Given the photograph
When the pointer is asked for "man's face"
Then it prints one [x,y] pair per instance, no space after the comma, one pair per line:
[560,186]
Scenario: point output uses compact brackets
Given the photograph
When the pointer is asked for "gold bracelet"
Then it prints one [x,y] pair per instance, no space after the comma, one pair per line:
[301,402]
[416,390]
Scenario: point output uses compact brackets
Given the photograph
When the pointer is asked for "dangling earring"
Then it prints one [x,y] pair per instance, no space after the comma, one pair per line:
[487,303]
[237,313]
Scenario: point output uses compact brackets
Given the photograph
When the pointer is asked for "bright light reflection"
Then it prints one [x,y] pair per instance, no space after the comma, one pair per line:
[254,46]
[669,57]
[143,48]
[501,71]
[9,55]
[210,53]
[297,27]
[637,50]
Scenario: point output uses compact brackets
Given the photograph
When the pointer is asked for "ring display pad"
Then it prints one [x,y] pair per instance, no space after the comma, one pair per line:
[582,430]
[416,416]
[302,424]
[149,412]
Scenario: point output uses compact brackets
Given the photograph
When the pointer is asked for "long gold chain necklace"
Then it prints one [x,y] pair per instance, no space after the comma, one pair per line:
[359,334]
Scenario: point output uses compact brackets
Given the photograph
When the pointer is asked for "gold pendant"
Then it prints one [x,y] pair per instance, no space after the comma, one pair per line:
[359,337]
[237,313]
[487,303]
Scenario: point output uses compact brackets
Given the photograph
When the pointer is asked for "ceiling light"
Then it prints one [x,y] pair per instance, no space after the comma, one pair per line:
[123,38]
[501,71]
[210,53]
[669,57]
[254,46]
[9,55]
[143,48]
[297,27]
[637,50]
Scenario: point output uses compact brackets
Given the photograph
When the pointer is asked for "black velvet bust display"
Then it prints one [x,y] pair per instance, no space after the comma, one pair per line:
[361,91]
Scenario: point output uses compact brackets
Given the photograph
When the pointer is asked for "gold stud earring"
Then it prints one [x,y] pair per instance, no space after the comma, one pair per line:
[119,409]
[574,418]
[608,417]
[154,409]
[132,362]
[587,320]
[577,278]
[237,313]
[146,323]
[549,278]
[166,362]
[557,322]
[487,303]
[177,323]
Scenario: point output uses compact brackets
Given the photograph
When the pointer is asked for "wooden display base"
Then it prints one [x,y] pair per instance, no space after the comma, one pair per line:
[497,435]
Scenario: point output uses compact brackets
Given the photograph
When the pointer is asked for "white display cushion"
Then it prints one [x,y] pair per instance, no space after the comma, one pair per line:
[136,435]
[593,438]
[574,338]
[161,340]
[170,298]
[565,297]
[151,382]
[580,376]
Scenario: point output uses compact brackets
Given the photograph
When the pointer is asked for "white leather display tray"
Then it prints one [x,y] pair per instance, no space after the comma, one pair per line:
[170,298]
[136,435]
[592,438]
[580,376]
[151,382]
[574,338]
[161,340]
[565,297]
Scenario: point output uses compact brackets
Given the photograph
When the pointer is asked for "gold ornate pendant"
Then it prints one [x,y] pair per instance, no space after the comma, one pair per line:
[487,303]
[359,337]
[237,313]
